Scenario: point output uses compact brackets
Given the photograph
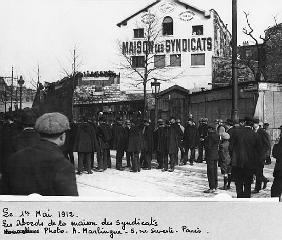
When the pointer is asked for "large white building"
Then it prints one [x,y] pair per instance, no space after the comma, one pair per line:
[179,41]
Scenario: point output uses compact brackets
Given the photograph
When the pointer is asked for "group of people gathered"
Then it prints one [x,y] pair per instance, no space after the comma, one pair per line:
[240,149]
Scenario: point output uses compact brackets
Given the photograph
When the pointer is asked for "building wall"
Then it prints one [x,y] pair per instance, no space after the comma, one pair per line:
[217,104]
[187,76]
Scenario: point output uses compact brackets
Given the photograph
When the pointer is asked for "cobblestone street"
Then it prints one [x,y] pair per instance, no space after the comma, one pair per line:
[186,181]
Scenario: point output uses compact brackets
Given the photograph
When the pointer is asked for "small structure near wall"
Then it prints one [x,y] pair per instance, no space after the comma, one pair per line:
[173,102]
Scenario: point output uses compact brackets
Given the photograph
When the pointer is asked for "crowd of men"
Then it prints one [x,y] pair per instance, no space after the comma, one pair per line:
[240,149]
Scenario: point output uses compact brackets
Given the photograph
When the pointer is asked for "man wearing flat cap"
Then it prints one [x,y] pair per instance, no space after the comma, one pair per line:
[42,168]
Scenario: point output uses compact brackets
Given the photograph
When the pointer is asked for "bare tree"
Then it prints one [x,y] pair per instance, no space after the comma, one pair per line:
[152,66]
[259,68]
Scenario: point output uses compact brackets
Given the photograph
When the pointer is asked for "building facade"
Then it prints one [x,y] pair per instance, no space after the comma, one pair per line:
[172,41]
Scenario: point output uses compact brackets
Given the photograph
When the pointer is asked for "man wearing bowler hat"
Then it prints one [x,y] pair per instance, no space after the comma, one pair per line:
[245,146]
[42,168]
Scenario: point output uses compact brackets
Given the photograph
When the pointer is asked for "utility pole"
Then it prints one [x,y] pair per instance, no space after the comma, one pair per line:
[12,86]
[234,111]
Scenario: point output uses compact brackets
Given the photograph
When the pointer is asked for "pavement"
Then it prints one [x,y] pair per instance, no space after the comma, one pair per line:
[185,182]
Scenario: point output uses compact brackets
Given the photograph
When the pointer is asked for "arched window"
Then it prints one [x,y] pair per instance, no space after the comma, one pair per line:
[167,26]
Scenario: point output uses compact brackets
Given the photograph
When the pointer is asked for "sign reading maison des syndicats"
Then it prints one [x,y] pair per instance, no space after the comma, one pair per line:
[168,46]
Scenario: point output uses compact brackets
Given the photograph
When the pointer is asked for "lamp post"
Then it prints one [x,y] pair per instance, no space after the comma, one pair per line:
[234,111]
[21,83]
[155,85]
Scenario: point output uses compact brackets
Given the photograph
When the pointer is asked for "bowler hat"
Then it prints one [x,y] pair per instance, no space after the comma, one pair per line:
[28,117]
[229,122]
[256,120]
[52,123]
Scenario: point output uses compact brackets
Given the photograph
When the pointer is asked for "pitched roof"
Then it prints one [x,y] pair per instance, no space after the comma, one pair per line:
[172,88]
[123,22]
[145,9]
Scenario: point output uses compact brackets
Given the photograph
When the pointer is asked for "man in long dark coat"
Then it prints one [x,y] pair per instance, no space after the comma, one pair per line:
[129,155]
[265,145]
[245,149]
[191,141]
[160,142]
[104,135]
[85,145]
[203,133]
[119,142]
[42,168]
[211,146]
[69,143]
[147,151]
[135,145]
[172,144]
[276,188]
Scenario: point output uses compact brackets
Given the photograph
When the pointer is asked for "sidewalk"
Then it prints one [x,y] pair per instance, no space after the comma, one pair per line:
[186,181]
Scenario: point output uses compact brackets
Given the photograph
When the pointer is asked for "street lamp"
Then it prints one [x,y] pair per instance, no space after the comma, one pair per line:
[21,83]
[155,85]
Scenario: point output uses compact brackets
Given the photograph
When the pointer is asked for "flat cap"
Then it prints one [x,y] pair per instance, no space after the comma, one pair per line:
[52,123]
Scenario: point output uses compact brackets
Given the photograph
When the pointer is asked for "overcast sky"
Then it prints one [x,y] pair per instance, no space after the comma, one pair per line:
[44,32]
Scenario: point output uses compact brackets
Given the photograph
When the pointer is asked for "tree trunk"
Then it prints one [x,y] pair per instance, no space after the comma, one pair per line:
[145,101]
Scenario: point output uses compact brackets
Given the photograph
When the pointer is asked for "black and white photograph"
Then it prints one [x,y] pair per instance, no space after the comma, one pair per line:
[151,99]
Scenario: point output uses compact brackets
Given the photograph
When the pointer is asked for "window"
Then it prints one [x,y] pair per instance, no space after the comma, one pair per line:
[197,30]
[138,33]
[138,61]
[159,61]
[175,60]
[198,59]
[167,26]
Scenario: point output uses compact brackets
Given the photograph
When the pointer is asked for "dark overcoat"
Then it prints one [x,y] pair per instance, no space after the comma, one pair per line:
[119,138]
[212,145]
[8,136]
[148,144]
[277,154]
[203,131]
[134,139]
[223,151]
[70,138]
[172,139]
[245,147]
[191,136]
[41,169]
[265,144]
[160,139]
[104,134]
[86,139]
[27,138]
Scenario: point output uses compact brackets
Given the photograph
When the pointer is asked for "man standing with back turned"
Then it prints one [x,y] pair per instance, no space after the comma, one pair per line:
[42,168]
[245,146]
